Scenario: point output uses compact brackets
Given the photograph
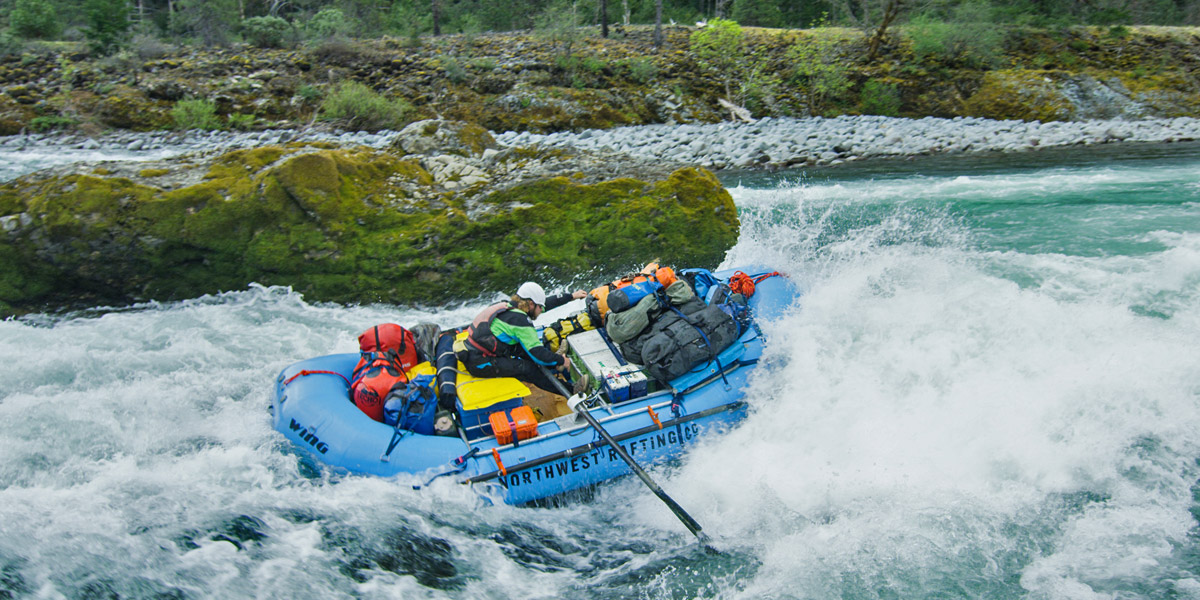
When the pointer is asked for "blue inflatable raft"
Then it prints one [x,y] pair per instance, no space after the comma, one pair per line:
[311,408]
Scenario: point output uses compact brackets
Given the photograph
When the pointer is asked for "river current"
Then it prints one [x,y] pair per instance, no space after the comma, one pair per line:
[990,389]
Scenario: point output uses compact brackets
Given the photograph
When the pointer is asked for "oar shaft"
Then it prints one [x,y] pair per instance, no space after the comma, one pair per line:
[682,514]
[687,519]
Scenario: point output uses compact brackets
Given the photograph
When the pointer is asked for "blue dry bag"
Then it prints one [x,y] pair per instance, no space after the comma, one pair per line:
[412,406]
[623,299]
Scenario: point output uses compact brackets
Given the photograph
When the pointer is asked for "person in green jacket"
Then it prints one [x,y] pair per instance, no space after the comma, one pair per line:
[504,343]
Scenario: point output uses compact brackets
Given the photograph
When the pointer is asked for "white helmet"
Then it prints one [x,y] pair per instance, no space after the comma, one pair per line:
[532,291]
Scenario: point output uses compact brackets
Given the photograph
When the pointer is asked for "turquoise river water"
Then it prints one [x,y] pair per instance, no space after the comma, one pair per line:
[990,389]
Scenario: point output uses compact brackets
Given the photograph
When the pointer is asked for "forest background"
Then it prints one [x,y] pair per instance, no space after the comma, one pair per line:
[109,25]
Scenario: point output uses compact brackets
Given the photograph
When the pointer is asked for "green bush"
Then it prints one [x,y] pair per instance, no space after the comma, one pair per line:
[34,19]
[453,69]
[356,106]
[148,47]
[758,13]
[641,69]
[107,25]
[9,45]
[328,23]
[340,51]
[265,32]
[309,93]
[819,69]
[484,63]
[1118,32]
[720,48]
[241,122]
[879,98]
[195,114]
[50,123]
[970,38]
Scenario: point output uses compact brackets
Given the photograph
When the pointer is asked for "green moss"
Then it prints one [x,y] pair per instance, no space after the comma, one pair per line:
[322,221]
[149,173]
[1018,94]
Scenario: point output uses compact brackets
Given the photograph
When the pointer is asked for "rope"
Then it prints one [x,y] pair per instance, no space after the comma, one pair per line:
[315,372]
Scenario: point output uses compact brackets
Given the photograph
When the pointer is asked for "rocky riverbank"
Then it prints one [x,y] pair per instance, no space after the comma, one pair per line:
[783,142]
[768,143]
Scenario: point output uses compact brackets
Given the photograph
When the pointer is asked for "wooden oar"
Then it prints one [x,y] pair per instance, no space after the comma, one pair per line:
[683,516]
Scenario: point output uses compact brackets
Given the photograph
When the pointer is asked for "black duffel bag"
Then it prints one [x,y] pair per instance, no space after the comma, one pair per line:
[677,345]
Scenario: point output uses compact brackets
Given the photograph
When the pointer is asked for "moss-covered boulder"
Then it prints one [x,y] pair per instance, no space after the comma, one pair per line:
[1019,94]
[340,224]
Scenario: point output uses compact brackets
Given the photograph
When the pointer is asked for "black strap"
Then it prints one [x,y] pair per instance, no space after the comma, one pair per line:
[711,351]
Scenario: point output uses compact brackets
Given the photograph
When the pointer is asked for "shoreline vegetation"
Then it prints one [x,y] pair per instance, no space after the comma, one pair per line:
[533,81]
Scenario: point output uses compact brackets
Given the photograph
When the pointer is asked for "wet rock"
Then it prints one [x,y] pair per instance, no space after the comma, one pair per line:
[166,89]
[424,137]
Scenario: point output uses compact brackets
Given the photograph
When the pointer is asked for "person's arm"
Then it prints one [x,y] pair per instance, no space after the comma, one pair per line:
[510,329]
[558,300]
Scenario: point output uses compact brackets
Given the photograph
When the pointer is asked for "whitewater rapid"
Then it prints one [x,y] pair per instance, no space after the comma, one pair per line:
[988,389]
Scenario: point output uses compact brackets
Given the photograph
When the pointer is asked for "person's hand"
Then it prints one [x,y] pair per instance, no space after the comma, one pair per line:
[566,366]
[579,294]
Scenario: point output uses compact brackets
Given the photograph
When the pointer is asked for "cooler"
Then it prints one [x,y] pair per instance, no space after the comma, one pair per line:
[519,421]
[480,397]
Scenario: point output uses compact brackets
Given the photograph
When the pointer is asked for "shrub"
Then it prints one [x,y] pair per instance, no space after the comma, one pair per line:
[241,122]
[107,24]
[265,32]
[309,93]
[641,69]
[51,122]
[34,19]
[484,63]
[342,52]
[454,69]
[195,114]
[357,106]
[758,13]
[148,47]
[719,47]
[819,69]
[210,20]
[970,38]
[9,45]
[1118,32]
[328,23]
[879,98]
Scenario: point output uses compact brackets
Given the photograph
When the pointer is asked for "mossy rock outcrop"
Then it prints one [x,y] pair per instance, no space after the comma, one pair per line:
[342,224]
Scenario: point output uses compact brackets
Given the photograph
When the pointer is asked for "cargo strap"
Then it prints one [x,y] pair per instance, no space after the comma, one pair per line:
[397,435]
[457,465]
[315,372]
[715,354]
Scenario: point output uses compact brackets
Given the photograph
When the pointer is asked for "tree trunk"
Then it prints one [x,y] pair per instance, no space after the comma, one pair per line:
[603,18]
[625,12]
[658,34]
[890,12]
[437,30]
